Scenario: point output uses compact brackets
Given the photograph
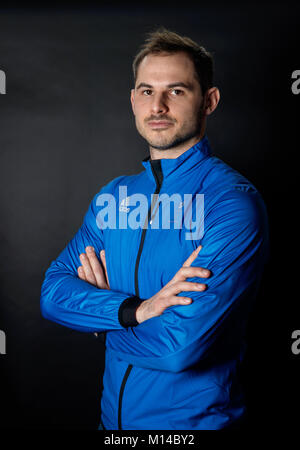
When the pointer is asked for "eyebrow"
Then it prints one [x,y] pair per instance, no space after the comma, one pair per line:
[172,85]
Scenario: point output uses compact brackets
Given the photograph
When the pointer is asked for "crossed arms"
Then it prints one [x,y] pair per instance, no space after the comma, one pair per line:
[91,271]
[171,334]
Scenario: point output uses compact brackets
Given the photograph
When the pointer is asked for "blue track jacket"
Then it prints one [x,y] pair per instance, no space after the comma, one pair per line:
[177,371]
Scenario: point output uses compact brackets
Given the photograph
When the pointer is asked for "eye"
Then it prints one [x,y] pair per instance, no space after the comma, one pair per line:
[177,92]
[146,92]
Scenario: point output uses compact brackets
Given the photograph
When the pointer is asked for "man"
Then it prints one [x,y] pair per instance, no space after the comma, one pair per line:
[173,301]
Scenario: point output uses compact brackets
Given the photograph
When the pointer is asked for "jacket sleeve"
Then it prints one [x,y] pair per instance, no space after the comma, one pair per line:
[235,248]
[69,301]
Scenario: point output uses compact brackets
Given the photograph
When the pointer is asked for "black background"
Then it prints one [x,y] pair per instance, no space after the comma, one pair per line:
[66,129]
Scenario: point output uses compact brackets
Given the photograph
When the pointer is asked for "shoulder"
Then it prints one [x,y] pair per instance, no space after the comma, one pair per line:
[239,205]
[237,224]
[231,198]
[220,177]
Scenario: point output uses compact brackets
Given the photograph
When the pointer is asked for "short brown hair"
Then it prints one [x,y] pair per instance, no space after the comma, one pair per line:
[166,41]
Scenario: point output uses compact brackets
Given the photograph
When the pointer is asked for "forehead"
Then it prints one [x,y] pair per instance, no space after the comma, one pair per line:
[166,67]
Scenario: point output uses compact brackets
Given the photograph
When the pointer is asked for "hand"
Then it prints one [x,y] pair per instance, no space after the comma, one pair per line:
[167,296]
[91,269]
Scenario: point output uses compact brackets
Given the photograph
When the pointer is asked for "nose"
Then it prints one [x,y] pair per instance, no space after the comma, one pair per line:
[159,104]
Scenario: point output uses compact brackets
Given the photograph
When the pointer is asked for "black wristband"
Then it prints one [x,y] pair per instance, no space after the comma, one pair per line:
[126,314]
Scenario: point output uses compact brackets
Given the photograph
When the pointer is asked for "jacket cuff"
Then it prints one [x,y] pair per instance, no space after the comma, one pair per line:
[127,311]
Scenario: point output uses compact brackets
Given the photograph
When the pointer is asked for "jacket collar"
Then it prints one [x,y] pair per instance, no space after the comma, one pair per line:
[181,166]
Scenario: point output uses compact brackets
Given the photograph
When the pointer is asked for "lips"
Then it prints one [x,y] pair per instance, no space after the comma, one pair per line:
[160,124]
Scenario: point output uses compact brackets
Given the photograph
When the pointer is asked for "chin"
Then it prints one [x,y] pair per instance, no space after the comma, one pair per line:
[160,145]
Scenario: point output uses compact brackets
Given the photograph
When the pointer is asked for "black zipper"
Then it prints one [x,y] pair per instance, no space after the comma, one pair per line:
[158,175]
[128,370]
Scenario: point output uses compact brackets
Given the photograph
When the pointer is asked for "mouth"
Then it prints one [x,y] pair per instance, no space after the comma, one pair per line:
[160,124]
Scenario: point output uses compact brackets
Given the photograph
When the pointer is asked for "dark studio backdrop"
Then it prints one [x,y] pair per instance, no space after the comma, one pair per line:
[66,129]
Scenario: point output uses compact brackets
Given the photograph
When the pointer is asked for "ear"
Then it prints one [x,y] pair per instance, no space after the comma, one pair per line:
[132,94]
[212,98]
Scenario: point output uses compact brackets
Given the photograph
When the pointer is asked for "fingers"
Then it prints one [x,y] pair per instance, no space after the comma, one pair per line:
[81,273]
[181,286]
[192,257]
[178,301]
[190,272]
[90,278]
[170,300]
[91,270]
[96,268]
[169,296]
[156,305]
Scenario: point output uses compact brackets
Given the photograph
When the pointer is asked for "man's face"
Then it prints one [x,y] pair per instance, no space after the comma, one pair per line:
[167,100]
